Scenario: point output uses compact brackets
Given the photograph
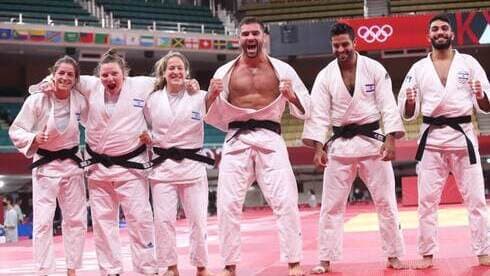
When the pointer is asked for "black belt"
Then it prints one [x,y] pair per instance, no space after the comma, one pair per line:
[179,154]
[121,160]
[253,125]
[444,121]
[349,131]
[48,156]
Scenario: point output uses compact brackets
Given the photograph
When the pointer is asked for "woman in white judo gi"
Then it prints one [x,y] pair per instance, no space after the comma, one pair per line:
[445,87]
[46,129]
[175,120]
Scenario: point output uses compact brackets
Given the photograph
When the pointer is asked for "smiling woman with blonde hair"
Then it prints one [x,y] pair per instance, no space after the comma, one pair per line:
[175,119]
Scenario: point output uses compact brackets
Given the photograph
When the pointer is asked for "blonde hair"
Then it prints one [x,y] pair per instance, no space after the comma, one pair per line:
[161,66]
[112,56]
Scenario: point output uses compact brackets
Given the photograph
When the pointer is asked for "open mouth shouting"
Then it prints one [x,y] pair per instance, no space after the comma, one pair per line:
[111,86]
[252,48]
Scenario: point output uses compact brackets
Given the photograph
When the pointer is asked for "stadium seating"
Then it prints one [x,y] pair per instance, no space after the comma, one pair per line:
[8,111]
[142,15]
[62,12]
[277,11]
[414,6]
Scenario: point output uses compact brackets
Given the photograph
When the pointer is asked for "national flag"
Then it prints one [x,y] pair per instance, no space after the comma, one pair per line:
[20,34]
[132,39]
[87,37]
[147,41]
[205,44]
[192,43]
[178,42]
[233,44]
[53,36]
[37,35]
[219,44]
[5,34]
[118,39]
[101,38]
[72,37]
[164,42]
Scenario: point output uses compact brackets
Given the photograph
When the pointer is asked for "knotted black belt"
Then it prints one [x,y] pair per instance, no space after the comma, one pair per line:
[121,160]
[444,121]
[178,154]
[48,156]
[349,131]
[253,125]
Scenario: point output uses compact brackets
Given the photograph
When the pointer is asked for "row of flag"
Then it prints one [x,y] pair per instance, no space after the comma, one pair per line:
[118,39]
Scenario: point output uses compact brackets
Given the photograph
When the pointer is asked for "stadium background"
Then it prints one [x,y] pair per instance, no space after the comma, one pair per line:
[34,33]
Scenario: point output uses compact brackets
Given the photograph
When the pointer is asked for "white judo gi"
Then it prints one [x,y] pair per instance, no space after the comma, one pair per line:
[115,135]
[59,179]
[332,105]
[177,121]
[257,155]
[446,149]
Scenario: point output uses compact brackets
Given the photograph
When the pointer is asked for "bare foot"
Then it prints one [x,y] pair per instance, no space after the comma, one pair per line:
[203,271]
[395,263]
[484,260]
[322,268]
[229,270]
[295,269]
[71,272]
[425,263]
[172,271]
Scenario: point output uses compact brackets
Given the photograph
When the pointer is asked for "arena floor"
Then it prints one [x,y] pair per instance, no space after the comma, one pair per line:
[260,250]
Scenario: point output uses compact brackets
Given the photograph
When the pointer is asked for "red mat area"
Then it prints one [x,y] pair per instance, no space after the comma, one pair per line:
[260,250]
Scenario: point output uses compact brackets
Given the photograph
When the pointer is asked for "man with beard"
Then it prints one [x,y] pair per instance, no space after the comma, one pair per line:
[444,87]
[246,99]
[351,95]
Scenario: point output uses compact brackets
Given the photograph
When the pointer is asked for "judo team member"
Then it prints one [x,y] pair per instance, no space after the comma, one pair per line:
[444,87]
[116,162]
[351,95]
[247,98]
[174,115]
[47,129]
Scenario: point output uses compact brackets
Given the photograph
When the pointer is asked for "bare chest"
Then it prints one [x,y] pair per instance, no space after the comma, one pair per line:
[349,78]
[442,69]
[253,87]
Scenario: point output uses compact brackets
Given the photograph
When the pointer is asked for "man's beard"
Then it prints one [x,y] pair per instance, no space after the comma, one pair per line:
[440,46]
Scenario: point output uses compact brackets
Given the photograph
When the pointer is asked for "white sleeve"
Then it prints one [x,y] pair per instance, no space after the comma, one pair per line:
[36,88]
[479,74]
[316,126]
[385,100]
[146,84]
[23,130]
[410,81]
[87,84]
[303,96]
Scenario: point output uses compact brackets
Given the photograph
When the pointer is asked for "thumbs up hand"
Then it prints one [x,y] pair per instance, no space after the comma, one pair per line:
[42,136]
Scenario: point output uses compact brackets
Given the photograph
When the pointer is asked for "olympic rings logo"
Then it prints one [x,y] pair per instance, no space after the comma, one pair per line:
[375,33]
